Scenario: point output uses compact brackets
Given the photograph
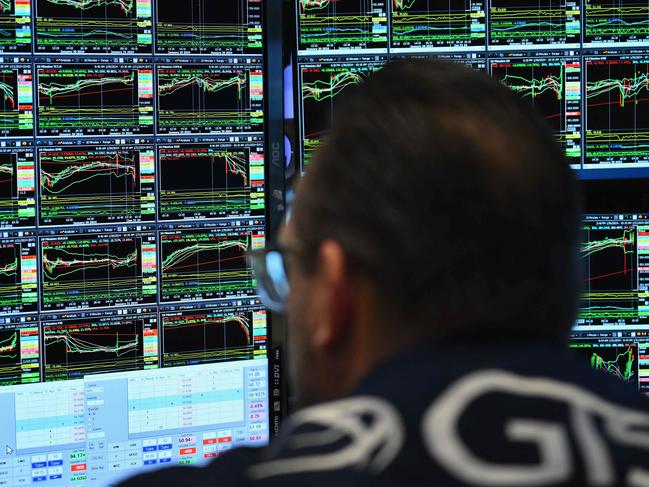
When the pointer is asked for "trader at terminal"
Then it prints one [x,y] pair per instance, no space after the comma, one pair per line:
[430,277]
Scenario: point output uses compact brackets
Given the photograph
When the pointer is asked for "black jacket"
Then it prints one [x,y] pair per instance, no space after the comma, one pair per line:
[504,415]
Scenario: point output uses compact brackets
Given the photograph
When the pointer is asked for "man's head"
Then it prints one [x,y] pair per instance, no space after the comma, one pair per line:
[439,206]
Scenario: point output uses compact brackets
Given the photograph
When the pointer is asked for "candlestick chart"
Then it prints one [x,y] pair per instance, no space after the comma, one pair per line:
[552,86]
[98,270]
[420,24]
[334,25]
[210,180]
[204,99]
[94,100]
[93,26]
[203,27]
[617,119]
[96,185]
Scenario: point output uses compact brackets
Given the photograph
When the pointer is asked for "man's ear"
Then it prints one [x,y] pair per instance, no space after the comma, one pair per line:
[335,296]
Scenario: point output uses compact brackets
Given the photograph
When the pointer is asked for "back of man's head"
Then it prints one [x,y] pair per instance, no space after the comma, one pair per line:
[452,198]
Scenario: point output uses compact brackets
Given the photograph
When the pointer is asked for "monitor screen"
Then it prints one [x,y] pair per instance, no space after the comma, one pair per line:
[612,329]
[582,63]
[133,183]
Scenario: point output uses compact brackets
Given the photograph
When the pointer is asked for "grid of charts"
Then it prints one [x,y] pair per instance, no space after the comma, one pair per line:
[582,63]
[132,187]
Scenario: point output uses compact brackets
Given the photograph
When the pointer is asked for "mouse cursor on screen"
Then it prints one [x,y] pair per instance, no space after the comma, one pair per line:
[9,450]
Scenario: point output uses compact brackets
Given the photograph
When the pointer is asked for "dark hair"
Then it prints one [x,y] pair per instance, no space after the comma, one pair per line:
[452,197]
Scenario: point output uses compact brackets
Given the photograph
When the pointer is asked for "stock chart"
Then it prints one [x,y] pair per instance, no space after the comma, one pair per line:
[93,26]
[583,65]
[350,25]
[425,25]
[617,360]
[570,59]
[17,192]
[616,93]
[207,261]
[17,103]
[96,184]
[99,342]
[549,22]
[553,86]
[611,329]
[94,99]
[15,26]
[19,351]
[196,335]
[203,27]
[18,273]
[610,256]
[211,180]
[209,98]
[132,188]
[616,22]
[321,82]
[85,270]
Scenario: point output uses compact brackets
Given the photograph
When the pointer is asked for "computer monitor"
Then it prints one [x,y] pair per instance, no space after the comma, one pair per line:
[133,182]
[612,330]
[582,63]
[612,327]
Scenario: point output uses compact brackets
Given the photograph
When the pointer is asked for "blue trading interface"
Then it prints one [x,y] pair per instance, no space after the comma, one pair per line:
[101,428]
[583,64]
[132,187]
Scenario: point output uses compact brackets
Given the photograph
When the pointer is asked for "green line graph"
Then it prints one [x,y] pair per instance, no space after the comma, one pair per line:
[9,346]
[625,88]
[125,5]
[120,347]
[241,320]
[618,21]
[625,243]
[7,169]
[321,90]
[5,6]
[87,171]
[514,24]
[9,269]
[622,366]
[81,261]
[314,4]
[205,83]
[235,163]
[51,90]
[8,94]
[403,4]
[184,253]
[534,87]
